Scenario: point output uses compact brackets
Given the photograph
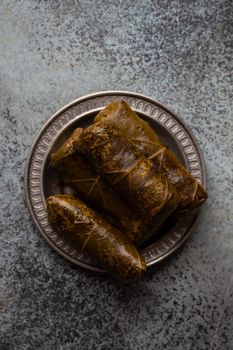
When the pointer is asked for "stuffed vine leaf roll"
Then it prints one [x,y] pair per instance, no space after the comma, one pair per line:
[120,116]
[77,172]
[110,247]
[129,172]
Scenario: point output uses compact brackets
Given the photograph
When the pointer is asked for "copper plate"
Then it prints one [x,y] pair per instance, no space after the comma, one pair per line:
[41,180]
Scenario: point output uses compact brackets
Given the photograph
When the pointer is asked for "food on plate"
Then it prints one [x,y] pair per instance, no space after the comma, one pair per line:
[120,116]
[77,172]
[130,184]
[129,172]
[94,235]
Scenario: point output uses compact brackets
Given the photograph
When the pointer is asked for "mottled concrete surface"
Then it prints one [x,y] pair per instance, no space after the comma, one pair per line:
[179,52]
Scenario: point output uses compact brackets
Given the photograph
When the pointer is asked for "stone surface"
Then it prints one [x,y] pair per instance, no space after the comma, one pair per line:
[178,52]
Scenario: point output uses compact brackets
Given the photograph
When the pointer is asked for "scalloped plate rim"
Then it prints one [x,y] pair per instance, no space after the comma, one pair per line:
[67,107]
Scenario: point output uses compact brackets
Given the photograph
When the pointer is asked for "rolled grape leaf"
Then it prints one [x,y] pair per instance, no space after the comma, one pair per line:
[120,116]
[129,172]
[95,236]
[77,173]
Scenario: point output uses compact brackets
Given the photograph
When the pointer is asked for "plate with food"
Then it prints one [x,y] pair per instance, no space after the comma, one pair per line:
[114,182]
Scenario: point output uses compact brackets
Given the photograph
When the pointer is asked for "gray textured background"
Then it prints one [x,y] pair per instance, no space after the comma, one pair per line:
[179,52]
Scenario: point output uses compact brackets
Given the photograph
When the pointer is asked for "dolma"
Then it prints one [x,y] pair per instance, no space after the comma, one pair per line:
[77,173]
[120,116]
[129,172]
[109,246]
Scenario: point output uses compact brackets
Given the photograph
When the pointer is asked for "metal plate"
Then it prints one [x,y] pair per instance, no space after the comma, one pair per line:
[41,181]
